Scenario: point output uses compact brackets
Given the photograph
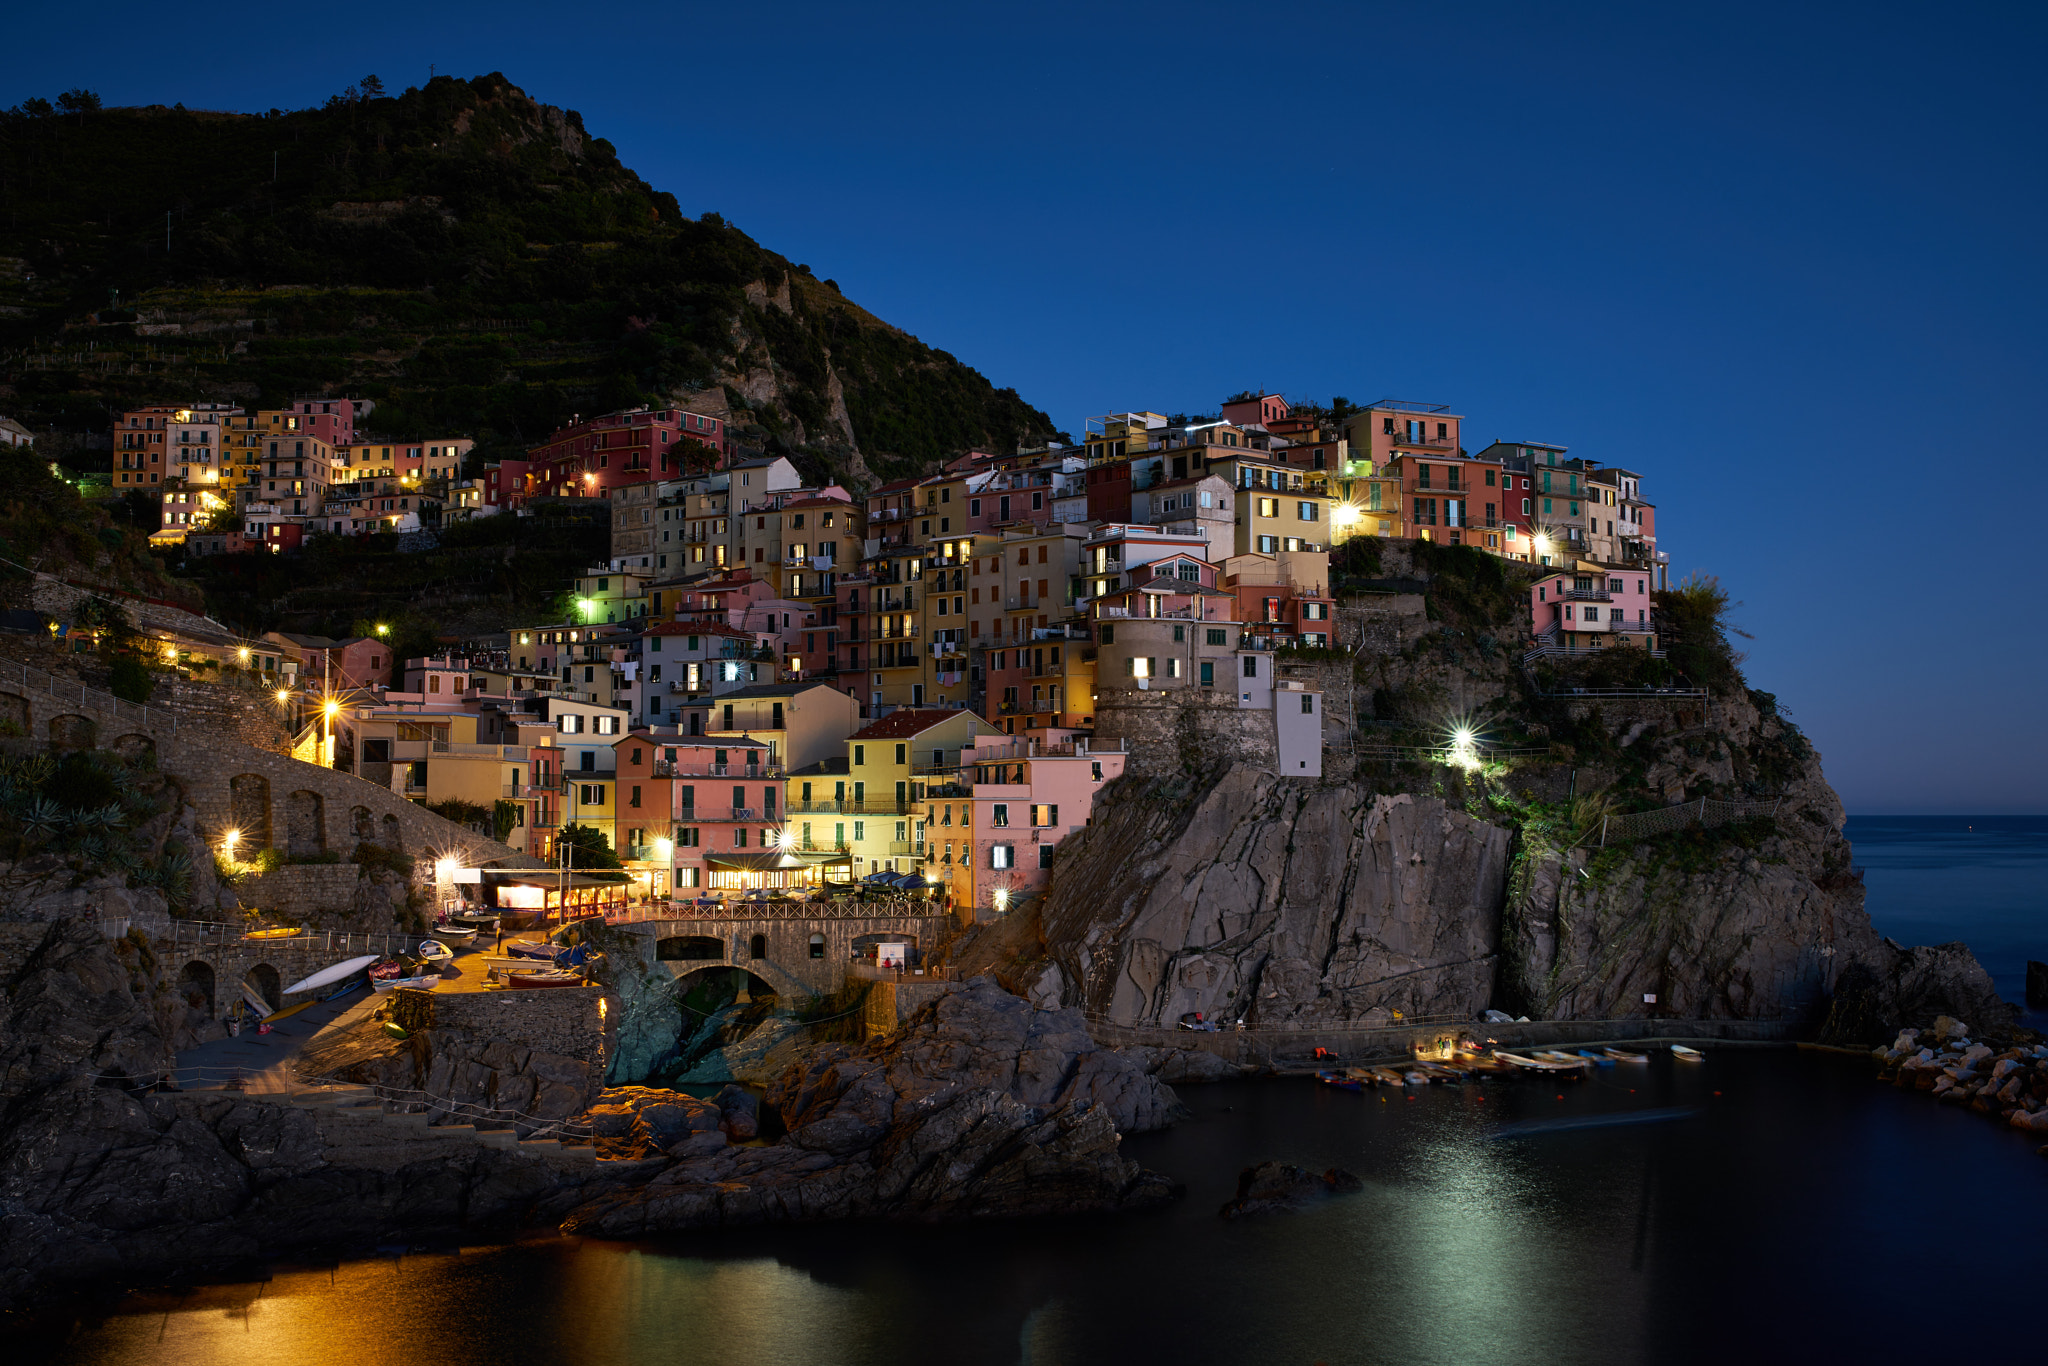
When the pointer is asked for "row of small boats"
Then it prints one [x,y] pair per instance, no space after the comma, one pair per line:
[1467,1064]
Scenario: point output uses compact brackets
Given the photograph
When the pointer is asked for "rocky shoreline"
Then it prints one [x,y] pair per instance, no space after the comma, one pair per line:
[2007,1081]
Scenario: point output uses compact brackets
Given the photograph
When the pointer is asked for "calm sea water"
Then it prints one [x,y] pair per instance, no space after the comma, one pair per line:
[1786,1214]
[1980,879]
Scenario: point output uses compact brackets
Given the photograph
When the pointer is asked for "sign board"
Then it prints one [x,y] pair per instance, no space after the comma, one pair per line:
[891,955]
[1649,998]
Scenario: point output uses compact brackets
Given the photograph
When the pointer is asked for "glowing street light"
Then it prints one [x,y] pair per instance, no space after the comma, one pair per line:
[382,629]
[243,654]
[785,839]
[228,840]
[283,695]
[664,850]
[1002,898]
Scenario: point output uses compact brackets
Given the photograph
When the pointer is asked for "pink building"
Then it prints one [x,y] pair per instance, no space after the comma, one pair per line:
[1028,795]
[1591,606]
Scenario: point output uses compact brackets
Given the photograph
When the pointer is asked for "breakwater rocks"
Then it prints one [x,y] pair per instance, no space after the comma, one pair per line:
[2008,1083]
[980,1106]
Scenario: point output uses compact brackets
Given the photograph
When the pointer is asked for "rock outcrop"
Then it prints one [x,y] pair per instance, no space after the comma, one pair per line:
[1277,903]
[1276,1187]
[1248,897]
[981,1106]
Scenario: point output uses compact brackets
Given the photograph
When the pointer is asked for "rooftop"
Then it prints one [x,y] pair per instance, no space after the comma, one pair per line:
[899,725]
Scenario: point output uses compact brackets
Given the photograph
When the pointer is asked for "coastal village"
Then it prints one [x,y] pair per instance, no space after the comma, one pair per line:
[770,687]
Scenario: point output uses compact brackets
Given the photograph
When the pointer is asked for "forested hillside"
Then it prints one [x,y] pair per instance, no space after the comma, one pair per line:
[473,260]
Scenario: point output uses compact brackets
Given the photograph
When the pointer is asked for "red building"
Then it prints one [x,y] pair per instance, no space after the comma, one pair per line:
[593,455]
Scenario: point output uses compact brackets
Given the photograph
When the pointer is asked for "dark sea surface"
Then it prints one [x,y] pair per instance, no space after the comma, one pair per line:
[1980,879]
[1768,1205]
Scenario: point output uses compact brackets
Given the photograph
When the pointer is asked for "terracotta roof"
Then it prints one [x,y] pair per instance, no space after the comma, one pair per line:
[899,724]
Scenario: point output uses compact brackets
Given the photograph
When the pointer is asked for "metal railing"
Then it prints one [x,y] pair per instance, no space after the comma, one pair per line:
[63,689]
[893,908]
[204,934]
[1705,811]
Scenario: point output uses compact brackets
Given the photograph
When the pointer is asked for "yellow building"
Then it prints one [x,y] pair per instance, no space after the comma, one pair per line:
[900,771]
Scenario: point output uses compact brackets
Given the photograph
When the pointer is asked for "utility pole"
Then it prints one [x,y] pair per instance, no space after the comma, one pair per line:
[273,168]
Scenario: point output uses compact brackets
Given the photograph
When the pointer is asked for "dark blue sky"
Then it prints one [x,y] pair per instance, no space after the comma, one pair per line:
[1787,261]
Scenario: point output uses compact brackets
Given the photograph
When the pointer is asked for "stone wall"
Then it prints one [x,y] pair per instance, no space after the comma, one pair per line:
[1186,728]
[569,1021]
[567,1029]
[889,1004]
[301,892]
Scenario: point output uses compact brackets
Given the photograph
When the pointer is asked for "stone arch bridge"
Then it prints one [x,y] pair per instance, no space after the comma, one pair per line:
[798,948]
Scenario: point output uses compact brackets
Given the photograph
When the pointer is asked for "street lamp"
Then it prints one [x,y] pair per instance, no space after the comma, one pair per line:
[228,840]
[382,629]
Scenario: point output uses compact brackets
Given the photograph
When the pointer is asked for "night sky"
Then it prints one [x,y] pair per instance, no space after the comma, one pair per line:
[1785,260]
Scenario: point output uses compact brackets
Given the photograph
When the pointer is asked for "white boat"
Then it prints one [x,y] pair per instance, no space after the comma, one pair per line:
[432,951]
[329,976]
[454,934]
[1539,1064]
[254,999]
[1684,1054]
[389,984]
[1625,1055]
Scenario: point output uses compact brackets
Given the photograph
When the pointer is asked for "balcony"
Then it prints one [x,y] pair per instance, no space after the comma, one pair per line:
[1585,595]
[664,769]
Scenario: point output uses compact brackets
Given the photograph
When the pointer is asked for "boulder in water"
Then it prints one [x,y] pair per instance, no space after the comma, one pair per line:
[2037,985]
[1273,1187]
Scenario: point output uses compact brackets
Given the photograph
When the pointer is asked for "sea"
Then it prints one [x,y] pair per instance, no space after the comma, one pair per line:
[1766,1205]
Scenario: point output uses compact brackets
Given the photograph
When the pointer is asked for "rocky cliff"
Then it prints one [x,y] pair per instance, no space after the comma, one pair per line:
[1413,882]
[981,1106]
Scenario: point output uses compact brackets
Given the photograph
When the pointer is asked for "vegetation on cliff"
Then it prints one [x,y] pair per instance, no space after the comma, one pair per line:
[473,260]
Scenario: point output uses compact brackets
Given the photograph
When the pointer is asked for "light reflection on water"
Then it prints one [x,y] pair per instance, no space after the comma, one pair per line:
[1771,1226]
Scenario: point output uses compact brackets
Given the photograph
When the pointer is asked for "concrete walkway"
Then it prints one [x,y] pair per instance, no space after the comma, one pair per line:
[263,1062]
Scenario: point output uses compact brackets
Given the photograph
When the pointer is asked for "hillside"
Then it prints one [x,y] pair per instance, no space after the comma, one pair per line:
[473,260]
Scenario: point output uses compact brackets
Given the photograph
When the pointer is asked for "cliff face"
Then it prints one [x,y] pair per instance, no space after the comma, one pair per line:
[1277,903]
[1426,890]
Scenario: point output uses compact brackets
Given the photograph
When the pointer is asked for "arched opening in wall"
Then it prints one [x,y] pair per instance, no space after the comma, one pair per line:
[392,839]
[886,950]
[362,826]
[136,749]
[249,810]
[719,1006]
[757,947]
[690,948]
[267,985]
[305,825]
[13,715]
[195,986]
[817,945]
[71,731]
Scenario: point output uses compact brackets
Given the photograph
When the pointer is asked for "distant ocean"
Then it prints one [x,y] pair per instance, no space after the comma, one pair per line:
[1980,879]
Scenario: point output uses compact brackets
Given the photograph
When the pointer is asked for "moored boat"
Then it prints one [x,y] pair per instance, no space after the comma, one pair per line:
[327,976]
[1597,1059]
[1625,1055]
[384,985]
[435,953]
[541,949]
[1541,1063]
[535,978]
[1684,1054]
[281,932]
[450,933]
[1325,1076]
[384,970]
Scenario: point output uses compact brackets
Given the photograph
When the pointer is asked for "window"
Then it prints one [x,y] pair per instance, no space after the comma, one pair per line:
[1208,681]
[687,837]
[1002,856]
[817,946]
[1269,507]
[570,724]
[1614,586]
[1251,666]
[999,814]
[1108,634]
[1045,815]
[1308,704]
[634,800]
[1306,512]
[902,752]
[590,794]
[860,755]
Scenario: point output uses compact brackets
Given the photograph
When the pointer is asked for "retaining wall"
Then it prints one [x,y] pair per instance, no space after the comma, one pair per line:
[786,939]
